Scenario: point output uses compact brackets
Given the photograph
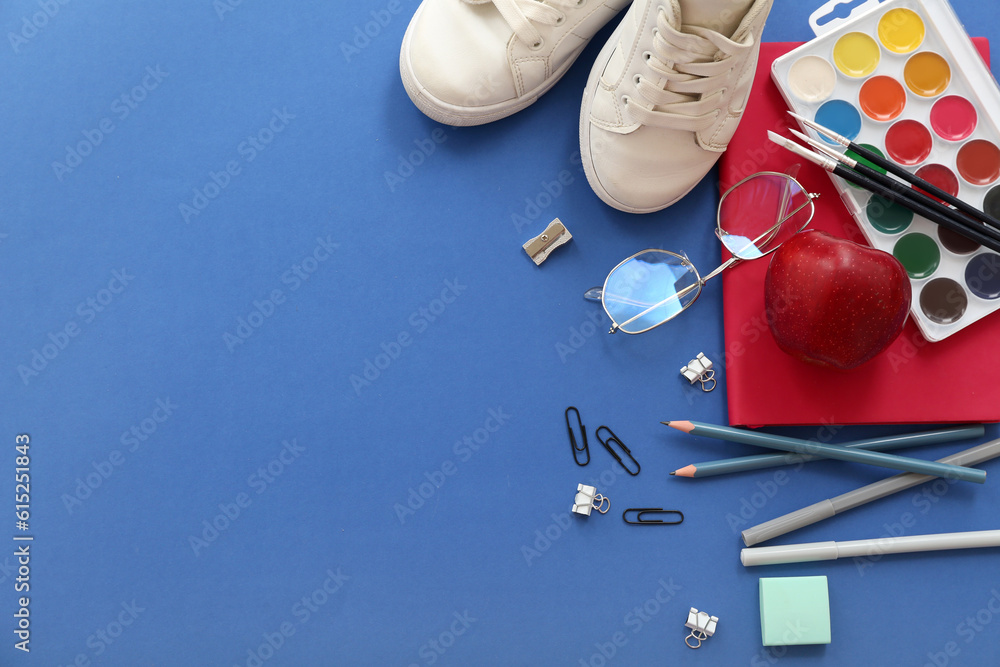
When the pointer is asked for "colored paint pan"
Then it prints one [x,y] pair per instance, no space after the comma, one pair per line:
[954,118]
[956,243]
[944,301]
[812,79]
[886,216]
[841,117]
[991,204]
[908,142]
[901,30]
[978,162]
[882,98]
[941,176]
[982,275]
[856,54]
[927,74]
[919,255]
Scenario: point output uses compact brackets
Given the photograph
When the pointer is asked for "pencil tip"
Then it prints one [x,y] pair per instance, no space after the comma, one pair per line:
[683,426]
[674,473]
[665,423]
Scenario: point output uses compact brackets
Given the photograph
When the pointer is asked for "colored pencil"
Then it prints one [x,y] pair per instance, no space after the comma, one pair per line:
[813,551]
[831,451]
[901,188]
[744,463]
[932,214]
[847,501]
[899,172]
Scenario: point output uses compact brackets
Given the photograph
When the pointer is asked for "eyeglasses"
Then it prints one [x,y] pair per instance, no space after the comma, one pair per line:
[653,286]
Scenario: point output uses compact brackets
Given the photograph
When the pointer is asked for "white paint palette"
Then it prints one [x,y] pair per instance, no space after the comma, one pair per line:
[902,78]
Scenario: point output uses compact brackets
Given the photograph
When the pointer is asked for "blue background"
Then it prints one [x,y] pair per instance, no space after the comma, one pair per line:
[409,235]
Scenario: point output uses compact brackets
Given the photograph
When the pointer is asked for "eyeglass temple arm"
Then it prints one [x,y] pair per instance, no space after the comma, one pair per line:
[725,265]
[734,259]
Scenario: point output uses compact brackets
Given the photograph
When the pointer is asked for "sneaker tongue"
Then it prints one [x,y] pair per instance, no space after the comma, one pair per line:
[722,16]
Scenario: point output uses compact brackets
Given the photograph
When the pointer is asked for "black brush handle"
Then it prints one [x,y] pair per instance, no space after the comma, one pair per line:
[913,179]
[905,191]
[917,207]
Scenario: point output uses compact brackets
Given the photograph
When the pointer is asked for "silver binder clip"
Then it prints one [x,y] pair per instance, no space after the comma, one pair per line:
[587,499]
[700,369]
[702,627]
[554,236]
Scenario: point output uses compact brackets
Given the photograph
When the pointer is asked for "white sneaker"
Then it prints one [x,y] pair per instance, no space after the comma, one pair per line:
[665,96]
[469,62]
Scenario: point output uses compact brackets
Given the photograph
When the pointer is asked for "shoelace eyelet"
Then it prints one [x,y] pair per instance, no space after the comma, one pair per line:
[581,3]
[537,45]
[637,79]
[646,55]
[560,20]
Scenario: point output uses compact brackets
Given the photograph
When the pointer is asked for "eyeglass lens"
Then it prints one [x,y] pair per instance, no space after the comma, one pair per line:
[649,289]
[758,215]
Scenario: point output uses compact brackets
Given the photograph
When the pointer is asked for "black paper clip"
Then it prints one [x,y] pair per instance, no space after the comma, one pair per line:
[639,521]
[572,438]
[614,439]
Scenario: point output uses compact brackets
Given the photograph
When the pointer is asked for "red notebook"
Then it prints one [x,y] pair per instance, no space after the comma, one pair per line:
[913,381]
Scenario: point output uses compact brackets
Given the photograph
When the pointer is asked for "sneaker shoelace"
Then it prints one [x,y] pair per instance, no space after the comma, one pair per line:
[692,66]
[521,15]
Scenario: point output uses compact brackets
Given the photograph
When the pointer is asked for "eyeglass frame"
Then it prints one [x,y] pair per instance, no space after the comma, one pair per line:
[733,259]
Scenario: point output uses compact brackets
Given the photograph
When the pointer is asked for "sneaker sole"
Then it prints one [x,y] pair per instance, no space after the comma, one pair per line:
[458,116]
[593,82]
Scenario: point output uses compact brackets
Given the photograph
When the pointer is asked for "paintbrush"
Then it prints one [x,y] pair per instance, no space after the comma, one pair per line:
[934,214]
[900,188]
[899,172]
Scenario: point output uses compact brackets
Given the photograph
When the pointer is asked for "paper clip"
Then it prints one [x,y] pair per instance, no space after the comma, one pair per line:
[640,521]
[587,499]
[572,438]
[702,627]
[614,439]
[700,370]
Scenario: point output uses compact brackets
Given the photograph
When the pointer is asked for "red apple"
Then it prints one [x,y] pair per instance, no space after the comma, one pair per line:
[834,302]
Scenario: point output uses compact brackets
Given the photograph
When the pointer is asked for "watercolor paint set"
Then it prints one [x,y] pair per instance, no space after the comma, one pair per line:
[902,79]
